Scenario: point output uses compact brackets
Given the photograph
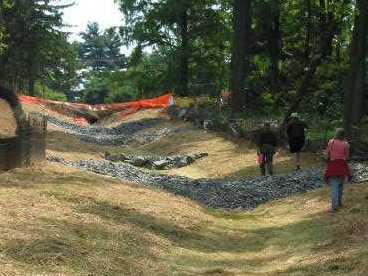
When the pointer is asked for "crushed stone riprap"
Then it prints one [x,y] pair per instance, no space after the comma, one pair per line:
[156,162]
[246,193]
[144,131]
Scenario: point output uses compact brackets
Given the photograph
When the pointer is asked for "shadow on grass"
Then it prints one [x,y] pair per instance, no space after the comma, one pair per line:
[87,248]
[116,238]
[32,177]
[206,237]
[61,142]
[187,137]
[280,167]
[217,239]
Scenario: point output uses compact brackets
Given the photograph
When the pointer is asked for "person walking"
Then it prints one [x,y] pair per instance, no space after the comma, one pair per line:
[296,136]
[337,170]
[267,143]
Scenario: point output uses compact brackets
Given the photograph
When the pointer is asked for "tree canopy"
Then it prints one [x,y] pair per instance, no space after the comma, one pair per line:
[274,56]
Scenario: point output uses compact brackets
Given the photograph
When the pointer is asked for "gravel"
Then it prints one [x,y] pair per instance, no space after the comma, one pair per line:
[246,193]
[142,132]
[156,162]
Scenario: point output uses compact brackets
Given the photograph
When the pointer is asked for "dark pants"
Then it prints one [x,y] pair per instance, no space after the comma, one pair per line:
[268,151]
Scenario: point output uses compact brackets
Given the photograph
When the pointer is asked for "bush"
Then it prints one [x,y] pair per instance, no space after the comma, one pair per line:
[123,94]
[42,91]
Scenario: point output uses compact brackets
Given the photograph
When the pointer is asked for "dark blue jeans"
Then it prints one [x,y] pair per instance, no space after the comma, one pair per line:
[337,189]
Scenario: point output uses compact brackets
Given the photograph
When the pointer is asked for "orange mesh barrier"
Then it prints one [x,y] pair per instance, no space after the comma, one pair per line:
[124,108]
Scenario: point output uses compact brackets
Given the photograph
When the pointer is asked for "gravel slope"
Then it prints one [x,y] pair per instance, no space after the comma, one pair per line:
[143,132]
[246,193]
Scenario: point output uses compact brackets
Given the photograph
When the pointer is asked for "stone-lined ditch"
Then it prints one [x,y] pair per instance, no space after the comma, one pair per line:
[245,193]
[141,132]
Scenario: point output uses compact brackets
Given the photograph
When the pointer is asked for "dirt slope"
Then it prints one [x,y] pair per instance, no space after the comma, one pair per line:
[7,121]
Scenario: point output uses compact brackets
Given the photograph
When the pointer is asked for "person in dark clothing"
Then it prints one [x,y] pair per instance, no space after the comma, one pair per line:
[267,143]
[296,136]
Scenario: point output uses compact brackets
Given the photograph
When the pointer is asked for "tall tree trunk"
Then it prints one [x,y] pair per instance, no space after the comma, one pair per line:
[14,86]
[327,18]
[324,50]
[31,84]
[322,16]
[184,53]
[354,86]
[275,45]
[308,35]
[33,71]
[240,52]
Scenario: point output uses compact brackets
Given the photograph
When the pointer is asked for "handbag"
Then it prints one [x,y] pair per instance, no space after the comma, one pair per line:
[260,159]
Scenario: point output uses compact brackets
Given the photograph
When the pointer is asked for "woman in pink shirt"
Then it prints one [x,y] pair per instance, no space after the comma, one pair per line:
[337,170]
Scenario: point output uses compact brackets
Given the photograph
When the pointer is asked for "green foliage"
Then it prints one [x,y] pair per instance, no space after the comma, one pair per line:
[204,43]
[100,51]
[172,39]
[126,93]
[96,90]
[34,40]
[110,87]
[64,76]
[43,91]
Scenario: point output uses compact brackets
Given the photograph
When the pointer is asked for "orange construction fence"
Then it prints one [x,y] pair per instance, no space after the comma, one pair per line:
[159,102]
[123,109]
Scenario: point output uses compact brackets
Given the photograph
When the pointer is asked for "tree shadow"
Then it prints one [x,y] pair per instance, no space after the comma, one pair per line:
[60,142]
[109,248]
[30,178]
[207,239]
[280,167]
[87,248]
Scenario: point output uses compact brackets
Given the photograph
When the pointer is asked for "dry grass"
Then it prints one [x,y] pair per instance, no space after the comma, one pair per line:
[115,120]
[60,221]
[7,121]
[228,157]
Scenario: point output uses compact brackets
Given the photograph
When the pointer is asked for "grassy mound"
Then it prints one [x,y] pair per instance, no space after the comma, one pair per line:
[57,220]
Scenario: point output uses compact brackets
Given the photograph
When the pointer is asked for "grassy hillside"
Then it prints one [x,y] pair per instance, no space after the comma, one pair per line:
[57,220]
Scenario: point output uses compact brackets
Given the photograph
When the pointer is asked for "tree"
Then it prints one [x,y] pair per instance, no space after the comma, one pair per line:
[330,27]
[241,51]
[62,74]
[33,35]
[179,28]
[101,50]
[113,44]
[355,84]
